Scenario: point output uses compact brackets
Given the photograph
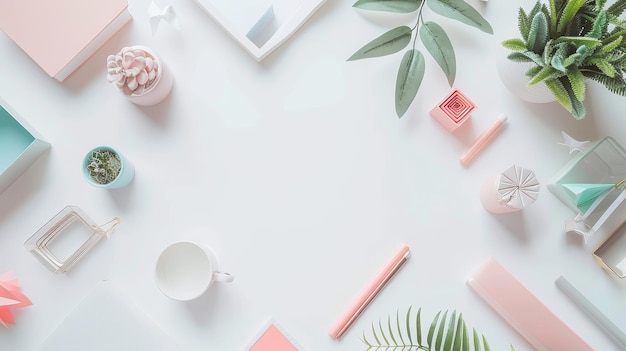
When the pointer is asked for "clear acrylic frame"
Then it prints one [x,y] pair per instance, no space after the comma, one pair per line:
[604,162]
[611,254]
[69,219]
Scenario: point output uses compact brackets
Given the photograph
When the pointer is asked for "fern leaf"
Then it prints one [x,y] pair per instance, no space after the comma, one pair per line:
[440,331]
[617,8]
[418,326]
[616,85]
[466,343]
[486,344]
[382,332]
[393,338]
[365,341]
[577,81]
[477,344]
[408,324]
[568,13]
[399,330]
[538,35]
[447,344]
[458,334]
[431,330]
[375,335]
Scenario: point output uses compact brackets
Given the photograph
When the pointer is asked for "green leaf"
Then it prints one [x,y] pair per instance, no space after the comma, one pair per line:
[557,63]
[408,81]
[599,26]
[568,13]
[604,66]
[431,330]
[466,343]
[559,92]
[523,23]
[393,338]
[514,44]
[533,71]
[518,57]
[399,330]
[538,35]
[616,85]
[617,8]
[476,338]
[408,324]
[548,72]
[382,332]
[396,6]
[440,331]
[534,57]
[418,326]
[486,344]
[450,333]
[388,43]
[577,81]
[461,11]
[375,335]
[609,47]
[438,45]
[579,41]
[458,335]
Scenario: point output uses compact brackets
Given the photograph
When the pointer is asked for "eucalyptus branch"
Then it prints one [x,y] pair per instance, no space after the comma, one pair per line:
[433,37]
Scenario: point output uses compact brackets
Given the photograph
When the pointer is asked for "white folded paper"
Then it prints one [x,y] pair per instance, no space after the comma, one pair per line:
[511,190]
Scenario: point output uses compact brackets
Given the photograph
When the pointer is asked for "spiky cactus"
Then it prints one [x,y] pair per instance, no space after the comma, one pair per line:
[104,166]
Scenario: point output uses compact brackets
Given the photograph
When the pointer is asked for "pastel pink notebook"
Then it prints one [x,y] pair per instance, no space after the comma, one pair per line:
[523,310]
[59,35]
[272,338]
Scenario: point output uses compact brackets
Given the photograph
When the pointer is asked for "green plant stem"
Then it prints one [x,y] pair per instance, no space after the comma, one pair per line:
[419,19]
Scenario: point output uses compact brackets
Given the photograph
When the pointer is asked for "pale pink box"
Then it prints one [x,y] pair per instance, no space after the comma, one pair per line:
[523,310]
[454,110]
[60,35]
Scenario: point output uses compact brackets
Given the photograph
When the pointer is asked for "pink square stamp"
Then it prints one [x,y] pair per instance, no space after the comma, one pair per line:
[453,110]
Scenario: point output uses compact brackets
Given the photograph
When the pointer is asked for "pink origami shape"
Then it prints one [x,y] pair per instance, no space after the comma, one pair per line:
[453,110]
[11,298]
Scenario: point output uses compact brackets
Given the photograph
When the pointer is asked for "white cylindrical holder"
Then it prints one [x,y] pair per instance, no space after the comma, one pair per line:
[510,190]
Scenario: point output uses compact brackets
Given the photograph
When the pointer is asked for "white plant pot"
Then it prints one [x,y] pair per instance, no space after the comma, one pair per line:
[513,76]
[160,90]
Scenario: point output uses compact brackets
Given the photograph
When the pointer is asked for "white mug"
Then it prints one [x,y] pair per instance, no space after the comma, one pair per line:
[185,270]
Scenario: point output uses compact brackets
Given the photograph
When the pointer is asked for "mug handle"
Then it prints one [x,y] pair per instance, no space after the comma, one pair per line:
[223,277]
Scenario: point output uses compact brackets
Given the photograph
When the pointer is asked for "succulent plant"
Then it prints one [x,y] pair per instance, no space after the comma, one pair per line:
[570,41]
[133,69]
[104,166]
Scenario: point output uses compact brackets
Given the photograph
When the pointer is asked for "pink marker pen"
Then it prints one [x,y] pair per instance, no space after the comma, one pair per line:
[482,140]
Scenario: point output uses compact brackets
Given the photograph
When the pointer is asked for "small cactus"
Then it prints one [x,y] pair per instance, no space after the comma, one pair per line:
[104,166]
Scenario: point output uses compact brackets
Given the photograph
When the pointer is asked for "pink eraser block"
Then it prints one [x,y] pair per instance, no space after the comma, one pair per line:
[523,310]
[453,110]
[272,339]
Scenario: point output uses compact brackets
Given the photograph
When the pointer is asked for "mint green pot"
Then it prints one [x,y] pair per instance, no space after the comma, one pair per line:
[127,172]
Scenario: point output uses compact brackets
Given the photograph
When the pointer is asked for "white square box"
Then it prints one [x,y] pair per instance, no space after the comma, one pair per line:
[20,145]
[260,26]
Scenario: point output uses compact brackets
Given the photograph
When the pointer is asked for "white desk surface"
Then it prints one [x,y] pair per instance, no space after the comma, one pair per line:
[298,173]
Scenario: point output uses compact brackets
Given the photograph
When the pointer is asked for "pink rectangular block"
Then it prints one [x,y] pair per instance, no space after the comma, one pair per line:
[272,339]
[60,35]
[523,310]
[453,110]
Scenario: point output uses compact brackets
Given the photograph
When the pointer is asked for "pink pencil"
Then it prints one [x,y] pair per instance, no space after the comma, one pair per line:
[482,140]
[347,319]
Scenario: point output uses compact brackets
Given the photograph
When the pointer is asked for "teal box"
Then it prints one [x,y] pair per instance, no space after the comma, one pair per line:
[20,145]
